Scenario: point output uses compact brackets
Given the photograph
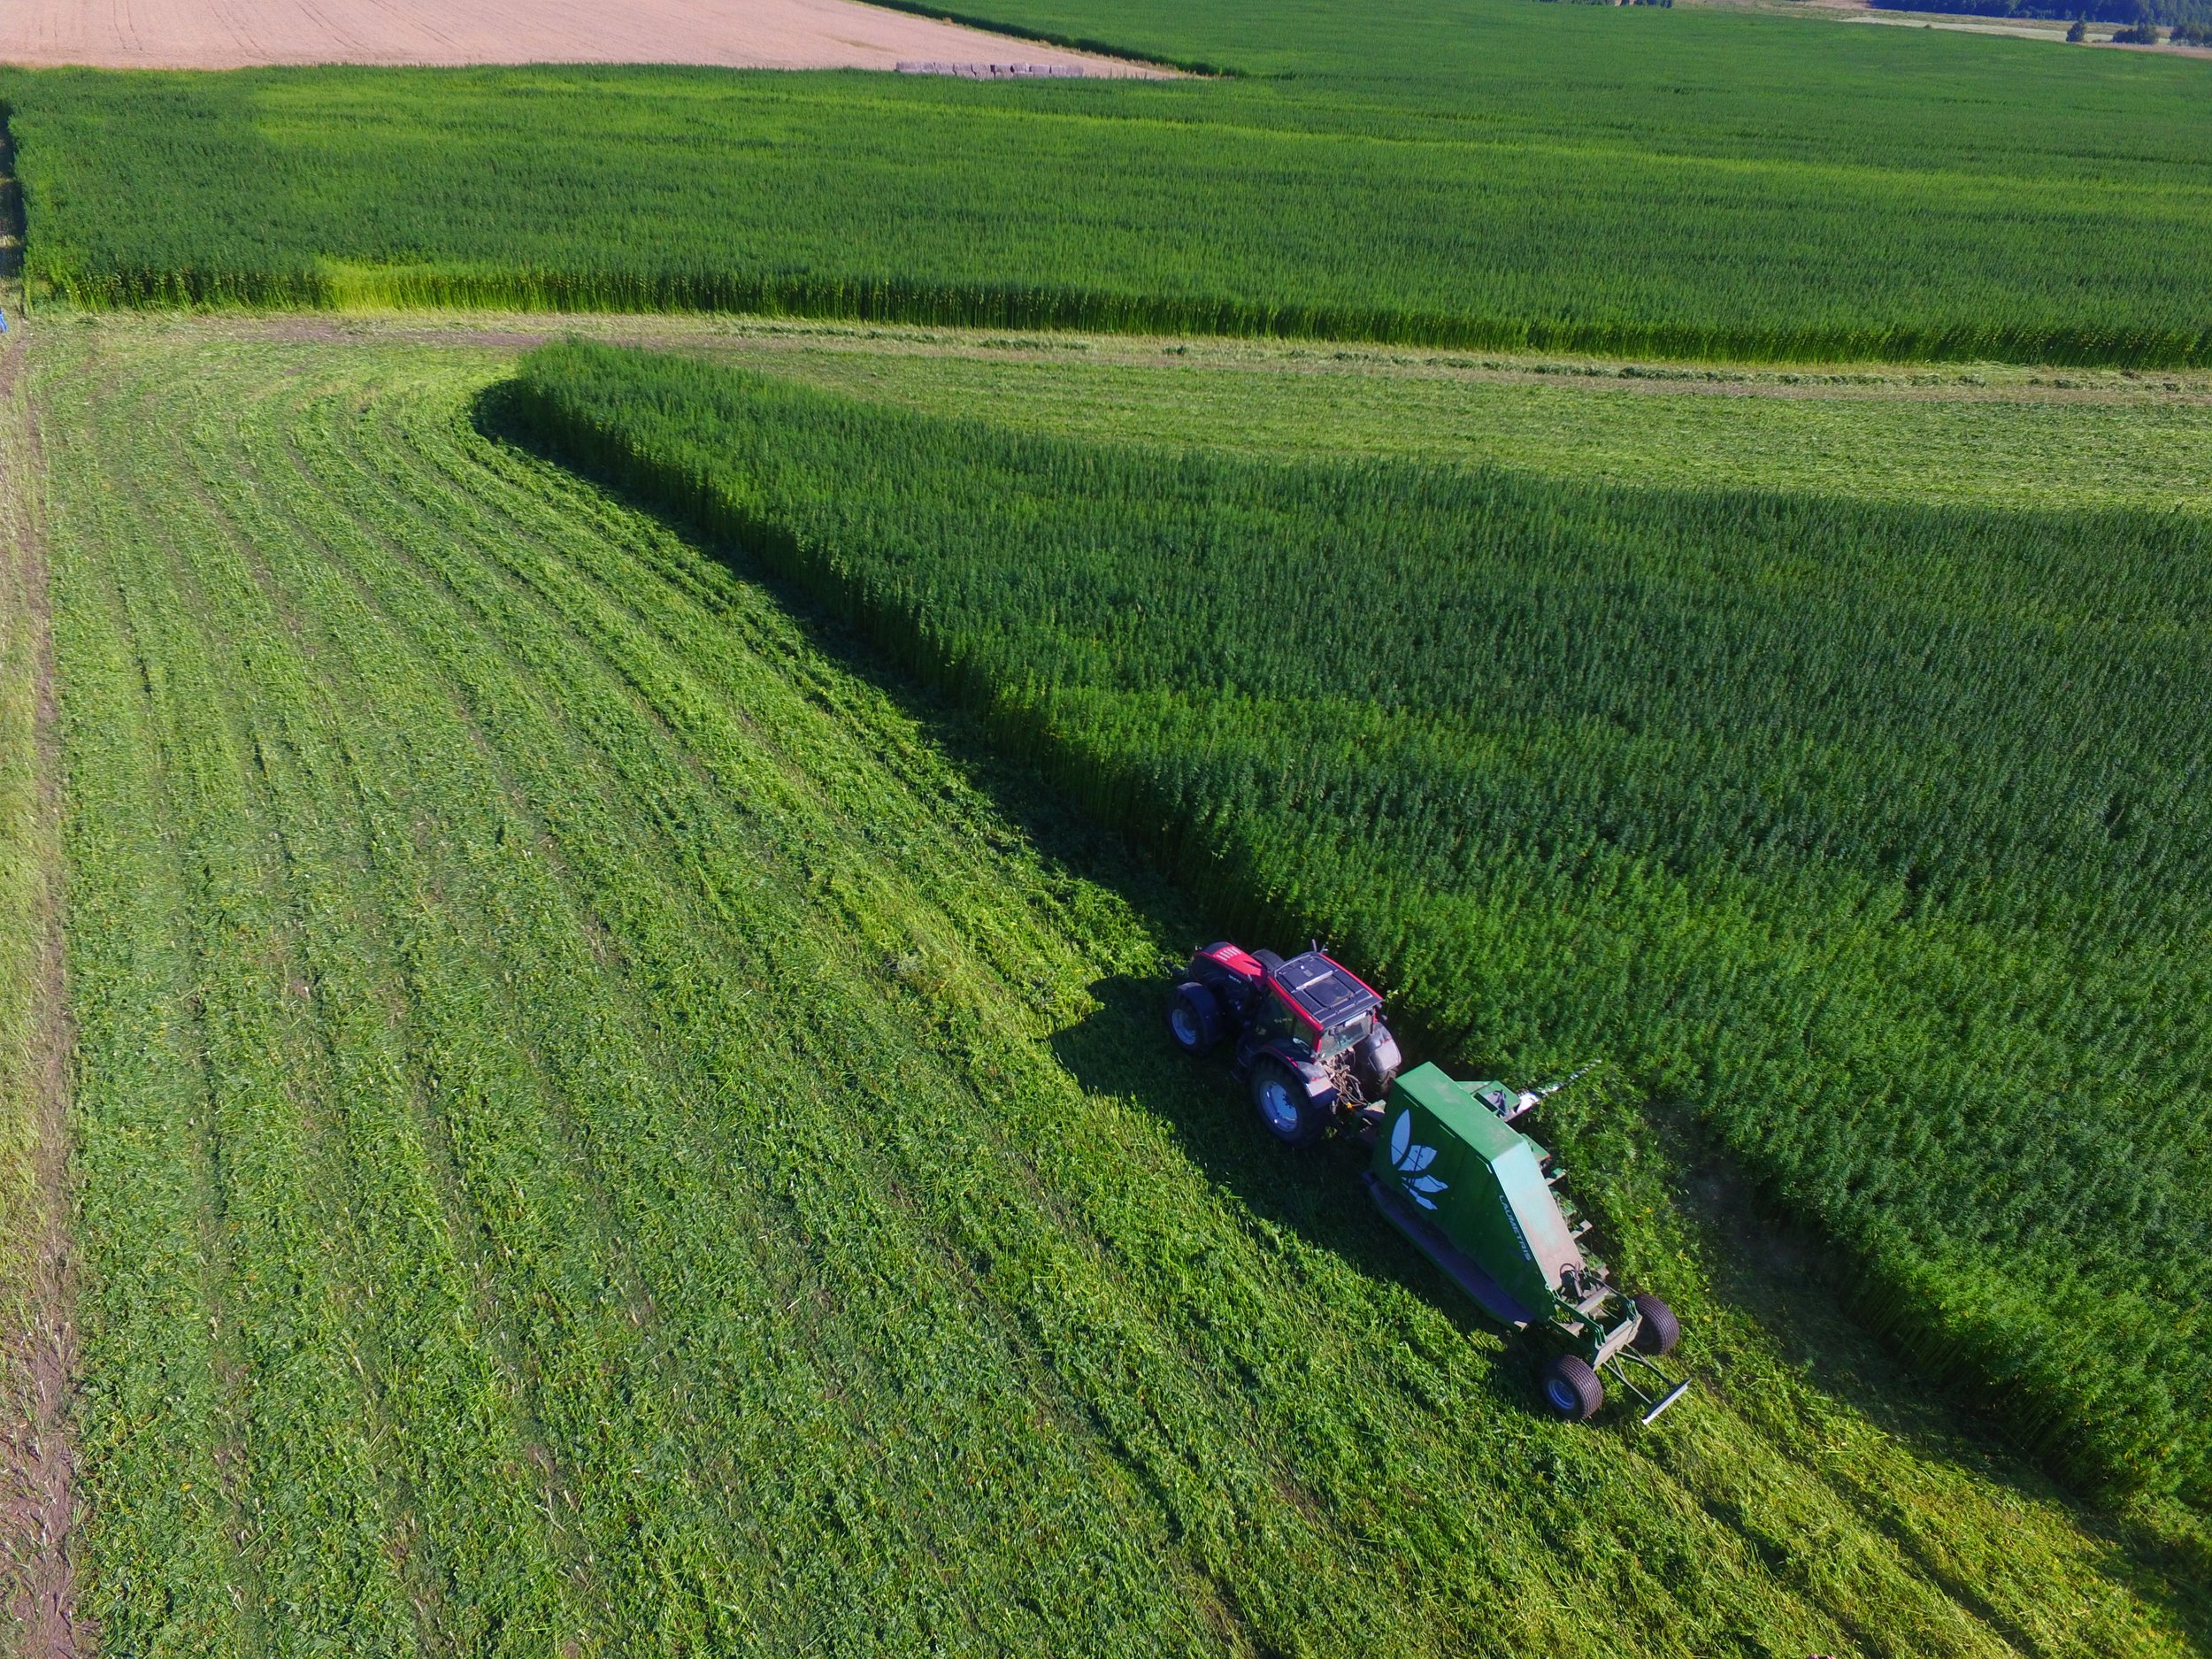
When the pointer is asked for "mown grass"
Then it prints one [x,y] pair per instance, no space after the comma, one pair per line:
[25,867]
[21,871]
[1474,173]
[1985,437]
[597,1132]
[1859,829]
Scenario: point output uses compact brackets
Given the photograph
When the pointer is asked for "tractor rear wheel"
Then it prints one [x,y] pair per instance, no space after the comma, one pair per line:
[1193,1020]
[1572,1389]
[1660,1330]
[1280,1097]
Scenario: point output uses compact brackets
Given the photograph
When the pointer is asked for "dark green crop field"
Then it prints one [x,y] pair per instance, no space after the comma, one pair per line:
[1875,835]
[1472,173]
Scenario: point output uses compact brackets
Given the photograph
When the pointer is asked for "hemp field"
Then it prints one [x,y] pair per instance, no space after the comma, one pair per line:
[1482,174]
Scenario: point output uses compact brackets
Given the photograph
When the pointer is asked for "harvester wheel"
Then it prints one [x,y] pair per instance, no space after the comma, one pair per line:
[1572,1389]
[1660,1330]
[1193,1018]
[1280,1099]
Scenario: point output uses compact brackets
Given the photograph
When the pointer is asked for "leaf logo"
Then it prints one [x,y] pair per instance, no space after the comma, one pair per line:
[1410,1160]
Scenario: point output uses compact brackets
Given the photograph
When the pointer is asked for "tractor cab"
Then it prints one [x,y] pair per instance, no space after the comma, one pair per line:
[1319,1005]
[1307,1033]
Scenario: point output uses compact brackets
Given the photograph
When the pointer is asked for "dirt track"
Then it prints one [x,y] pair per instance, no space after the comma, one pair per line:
[747,33]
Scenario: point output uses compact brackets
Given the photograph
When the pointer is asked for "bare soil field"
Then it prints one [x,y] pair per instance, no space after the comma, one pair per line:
[737,34]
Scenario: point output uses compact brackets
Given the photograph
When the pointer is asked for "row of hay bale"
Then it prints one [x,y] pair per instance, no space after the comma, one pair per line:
[995,72]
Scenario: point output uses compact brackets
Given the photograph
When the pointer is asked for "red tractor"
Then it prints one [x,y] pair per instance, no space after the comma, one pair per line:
[1308,1035]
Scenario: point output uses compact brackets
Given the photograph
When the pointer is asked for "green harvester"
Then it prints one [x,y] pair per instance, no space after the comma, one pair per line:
[1482,1200]
[1474,1195]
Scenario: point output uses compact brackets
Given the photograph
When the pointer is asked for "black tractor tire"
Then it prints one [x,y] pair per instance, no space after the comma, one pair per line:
[1267,959]
[1194,1019]
[1660,1330]
[1278,1094]
[1572,1389]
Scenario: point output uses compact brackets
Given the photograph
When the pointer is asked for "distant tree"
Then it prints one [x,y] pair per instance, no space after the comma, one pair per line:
[2166,14]
[2080,30]
[2137,35]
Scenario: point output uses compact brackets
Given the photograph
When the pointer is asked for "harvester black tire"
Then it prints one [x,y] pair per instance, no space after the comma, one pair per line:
[1572,1389]
[1278,1094]
[1660,1330]
[1267,959]
[1194,1019]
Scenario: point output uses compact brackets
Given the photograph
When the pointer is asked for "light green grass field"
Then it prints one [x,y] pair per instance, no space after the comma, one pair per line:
[1990,435]
[21,869]
[605,1127]
[34,1304]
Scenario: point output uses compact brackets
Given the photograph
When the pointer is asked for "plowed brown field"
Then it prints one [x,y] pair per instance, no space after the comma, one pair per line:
[747,34]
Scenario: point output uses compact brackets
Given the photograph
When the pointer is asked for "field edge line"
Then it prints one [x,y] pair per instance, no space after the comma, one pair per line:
[343,288]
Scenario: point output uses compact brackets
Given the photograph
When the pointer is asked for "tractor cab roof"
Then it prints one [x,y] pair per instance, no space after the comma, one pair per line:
[1325,994]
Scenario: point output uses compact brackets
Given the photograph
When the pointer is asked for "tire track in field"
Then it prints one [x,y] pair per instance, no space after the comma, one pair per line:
[454,503]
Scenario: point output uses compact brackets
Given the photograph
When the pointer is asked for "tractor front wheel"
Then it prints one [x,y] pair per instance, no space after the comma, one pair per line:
[1660,1330]
[1572,1389]
[1193,1020]
[1280,1097]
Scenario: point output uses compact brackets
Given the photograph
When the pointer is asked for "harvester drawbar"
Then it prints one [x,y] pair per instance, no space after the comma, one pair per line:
[1473,1194]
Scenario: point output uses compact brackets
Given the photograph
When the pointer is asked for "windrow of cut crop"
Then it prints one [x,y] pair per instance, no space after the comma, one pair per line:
[34,1315]
[1864,831]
